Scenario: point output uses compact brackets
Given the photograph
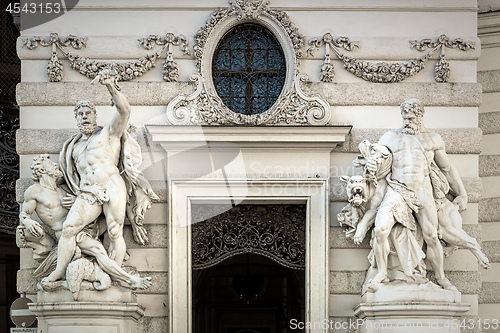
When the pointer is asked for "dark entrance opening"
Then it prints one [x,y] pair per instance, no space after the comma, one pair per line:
[247,293]
[248,266]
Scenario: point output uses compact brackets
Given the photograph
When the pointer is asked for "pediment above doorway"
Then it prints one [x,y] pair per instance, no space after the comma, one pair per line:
[174,138]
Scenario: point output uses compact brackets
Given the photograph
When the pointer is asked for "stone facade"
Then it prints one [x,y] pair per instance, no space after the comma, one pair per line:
[488,31]
[463,114]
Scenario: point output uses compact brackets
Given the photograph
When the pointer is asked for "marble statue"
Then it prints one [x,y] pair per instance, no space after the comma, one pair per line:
[405,193]
[50,203]
[99,165]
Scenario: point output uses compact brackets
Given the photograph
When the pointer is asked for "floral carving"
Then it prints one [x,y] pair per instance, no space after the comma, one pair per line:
[442,70]
[277,232]
[247,10]
[205,108]
[327,71]
[55,69]
[126,71]
[383,72]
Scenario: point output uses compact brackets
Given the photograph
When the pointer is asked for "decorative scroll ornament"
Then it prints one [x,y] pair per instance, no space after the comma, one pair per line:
[9,171]
[247,10]
[276,232]
[54,39]
[205,108]
[383,72]
[126,71]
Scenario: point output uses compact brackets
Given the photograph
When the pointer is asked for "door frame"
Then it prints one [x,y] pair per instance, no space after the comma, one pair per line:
[313,192]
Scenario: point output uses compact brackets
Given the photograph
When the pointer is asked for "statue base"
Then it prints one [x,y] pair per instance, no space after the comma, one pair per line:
[113,310]
[413,308]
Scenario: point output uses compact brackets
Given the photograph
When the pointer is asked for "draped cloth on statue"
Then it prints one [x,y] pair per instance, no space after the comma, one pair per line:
[140,193]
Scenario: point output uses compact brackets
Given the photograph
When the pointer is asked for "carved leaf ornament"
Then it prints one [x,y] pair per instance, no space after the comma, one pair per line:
[274,231]
[205,108]
[126,71]
[383,72]
[247,9]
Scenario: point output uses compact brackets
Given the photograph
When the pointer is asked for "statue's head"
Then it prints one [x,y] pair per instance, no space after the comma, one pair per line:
[42,164]
[86,117]
[412,112]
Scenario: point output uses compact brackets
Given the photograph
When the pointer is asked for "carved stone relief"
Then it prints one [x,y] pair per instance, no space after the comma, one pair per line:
[246,10]
[126,71]
[383,72]
[206,108]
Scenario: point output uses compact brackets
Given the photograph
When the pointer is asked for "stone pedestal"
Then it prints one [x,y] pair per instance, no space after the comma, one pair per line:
[397,307]
[114,310]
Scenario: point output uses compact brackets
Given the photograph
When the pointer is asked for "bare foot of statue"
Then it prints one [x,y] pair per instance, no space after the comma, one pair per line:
[446,284]
[374,284]
[380,278]
[140,283]
[54,276]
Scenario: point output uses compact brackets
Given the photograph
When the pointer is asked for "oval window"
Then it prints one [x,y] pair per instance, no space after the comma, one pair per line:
[249,69]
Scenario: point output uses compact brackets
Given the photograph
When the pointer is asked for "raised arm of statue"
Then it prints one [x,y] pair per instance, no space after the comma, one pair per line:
[118,123]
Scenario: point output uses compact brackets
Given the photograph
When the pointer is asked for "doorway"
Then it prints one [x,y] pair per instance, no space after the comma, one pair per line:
[247,293]
[248,268]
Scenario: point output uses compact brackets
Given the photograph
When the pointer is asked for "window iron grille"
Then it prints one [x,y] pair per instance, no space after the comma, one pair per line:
[249,69]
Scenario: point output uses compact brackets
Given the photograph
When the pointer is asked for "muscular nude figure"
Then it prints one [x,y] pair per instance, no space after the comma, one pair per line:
[414,150]
[44,197]
[47,200]
[101,187]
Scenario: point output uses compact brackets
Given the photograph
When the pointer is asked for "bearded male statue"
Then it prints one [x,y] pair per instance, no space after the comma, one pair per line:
[420,171]
[100,168]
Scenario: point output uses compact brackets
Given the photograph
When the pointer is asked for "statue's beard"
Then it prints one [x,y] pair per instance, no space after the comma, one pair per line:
[411,130]
[56,173]
[87,129]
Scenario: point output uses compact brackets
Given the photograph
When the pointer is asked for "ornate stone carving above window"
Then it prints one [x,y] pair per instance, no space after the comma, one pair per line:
[206,107]
[274,231]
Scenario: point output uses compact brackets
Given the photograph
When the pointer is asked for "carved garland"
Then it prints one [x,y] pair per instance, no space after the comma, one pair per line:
[126,71]
[384,72]
[205,108]
[276,232]
[246,9]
